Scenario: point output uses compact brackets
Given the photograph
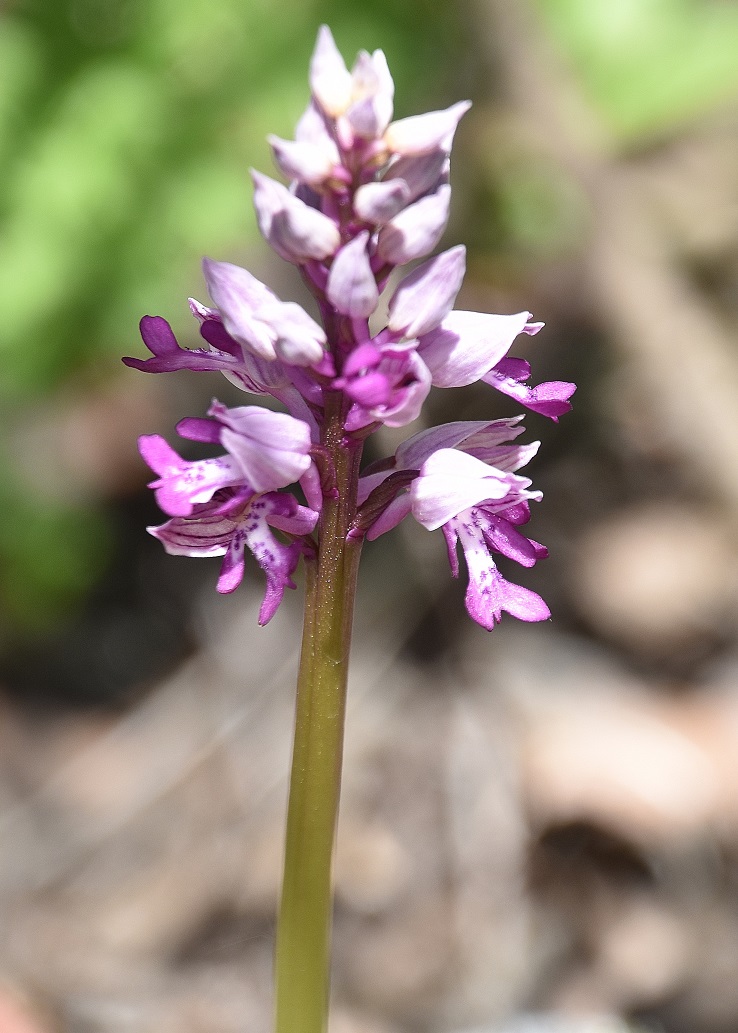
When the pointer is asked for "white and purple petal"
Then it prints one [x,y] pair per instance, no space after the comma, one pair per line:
[295,230]
[239,296]
[330,80]
[416,230]
[298,340]
[271,449]
[421,133]
[182,485]
[549,399]
[468,344]
[256,317]
[451,481]
[310,163]
[426,296]
[352,288]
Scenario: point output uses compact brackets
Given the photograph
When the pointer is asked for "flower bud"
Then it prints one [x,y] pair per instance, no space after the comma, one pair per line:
[416,230]
[377,203]
[296,231]
[257,319]
[308,162]
[427,294]
[352,288]
[372,95]
[330,80]
[271,449]
[423,173]
[420,133]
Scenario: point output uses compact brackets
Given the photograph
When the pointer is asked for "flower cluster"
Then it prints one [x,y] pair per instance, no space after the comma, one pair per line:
[366,195]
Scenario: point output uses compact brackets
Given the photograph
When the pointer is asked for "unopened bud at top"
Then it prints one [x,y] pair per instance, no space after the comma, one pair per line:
[330,80]
[372,95]
[360,100]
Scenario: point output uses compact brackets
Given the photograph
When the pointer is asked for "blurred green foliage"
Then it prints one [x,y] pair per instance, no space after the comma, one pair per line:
[648,65]
[47,555]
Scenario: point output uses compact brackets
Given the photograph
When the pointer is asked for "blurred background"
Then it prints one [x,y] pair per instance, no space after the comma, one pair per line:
[539,829]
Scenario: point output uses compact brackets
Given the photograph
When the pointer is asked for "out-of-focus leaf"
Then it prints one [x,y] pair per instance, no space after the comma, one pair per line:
[75,187]
[648,65]
[20,65]
[50,557]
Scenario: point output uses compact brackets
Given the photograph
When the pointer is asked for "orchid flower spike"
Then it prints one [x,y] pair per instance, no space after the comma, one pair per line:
[364,196]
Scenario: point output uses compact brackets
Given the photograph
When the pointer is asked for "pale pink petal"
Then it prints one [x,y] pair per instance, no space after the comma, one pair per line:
[468,344]
[451,481]
[420,133]
[309,162]
[238,296]
[416,230]
[330,80]
[270,448]
[426,296]
[296,231]
[352,288]
[377,203]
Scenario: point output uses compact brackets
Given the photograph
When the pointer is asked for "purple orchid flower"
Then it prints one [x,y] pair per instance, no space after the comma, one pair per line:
[387,384]
[222,505]
[480,506]
[482,532]
[258,320]
[365,196]
[462,478]
[234,521]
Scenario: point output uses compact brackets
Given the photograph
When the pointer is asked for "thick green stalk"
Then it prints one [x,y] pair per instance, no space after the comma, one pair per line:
[304,927]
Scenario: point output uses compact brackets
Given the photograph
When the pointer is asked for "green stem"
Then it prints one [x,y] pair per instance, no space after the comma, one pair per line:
[304,926]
